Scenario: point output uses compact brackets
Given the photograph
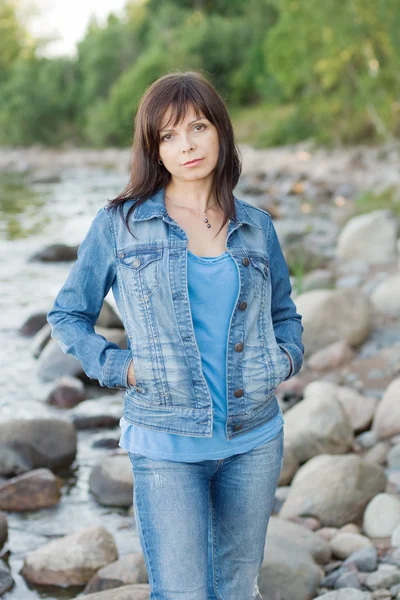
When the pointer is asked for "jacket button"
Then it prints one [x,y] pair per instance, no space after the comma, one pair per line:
[239,347]
[238,393]
[243,306]
[266,270]
[237,427]
[136,262]
[246,261]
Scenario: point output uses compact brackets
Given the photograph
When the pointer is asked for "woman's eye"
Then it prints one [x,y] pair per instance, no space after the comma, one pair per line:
[165,137]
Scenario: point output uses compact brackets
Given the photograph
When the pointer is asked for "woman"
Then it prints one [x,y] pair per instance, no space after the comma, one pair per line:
[204,293]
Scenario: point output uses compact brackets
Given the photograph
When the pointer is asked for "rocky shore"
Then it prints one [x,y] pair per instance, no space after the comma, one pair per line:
[335,529]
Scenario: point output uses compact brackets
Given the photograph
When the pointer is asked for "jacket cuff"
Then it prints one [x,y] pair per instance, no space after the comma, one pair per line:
[295,358]
[116,369]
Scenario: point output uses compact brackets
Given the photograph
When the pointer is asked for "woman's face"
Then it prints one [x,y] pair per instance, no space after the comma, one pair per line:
[190,139]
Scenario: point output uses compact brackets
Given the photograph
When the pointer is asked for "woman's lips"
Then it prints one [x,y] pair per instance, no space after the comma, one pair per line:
[194,163]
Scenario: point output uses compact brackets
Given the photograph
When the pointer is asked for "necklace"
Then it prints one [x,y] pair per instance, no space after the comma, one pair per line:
[196,209]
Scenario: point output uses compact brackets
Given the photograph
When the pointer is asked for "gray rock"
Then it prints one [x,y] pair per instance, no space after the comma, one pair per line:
[355,483]
[346,594]
[347,580]
[366,559]
[393,457]
[48,443]
[381,516]
[111,481]
[288,573]
[126,570]
[127,592]
[6,581]
[3,529]
[370,237]
[281,532]
[71,560]
[383,579]
[331,316]
[319,424]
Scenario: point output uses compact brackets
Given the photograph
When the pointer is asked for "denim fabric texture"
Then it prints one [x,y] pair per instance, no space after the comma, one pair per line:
[148,278]
[202,526]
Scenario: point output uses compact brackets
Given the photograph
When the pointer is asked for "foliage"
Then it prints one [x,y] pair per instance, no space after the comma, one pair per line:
[288,69]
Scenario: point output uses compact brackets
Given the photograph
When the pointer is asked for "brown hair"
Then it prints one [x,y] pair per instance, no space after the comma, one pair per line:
[178,90]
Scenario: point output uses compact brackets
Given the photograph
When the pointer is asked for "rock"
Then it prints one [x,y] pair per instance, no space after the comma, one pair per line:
[327,533]
[383,579]
[55,253]
[359,409]
[378,454]
[318,279]
[14,461]
[40,339]
[370,237]
[344,544]
[33,324]
[346,594]
[346,580]
[3,529]
[386,421]
[365,559]
[71,560]
[318,424]
[104,412]
[393,457]
[126,570]
[287,573]
[6,581]
[127,592]
[111,481]
[67,392]
[367,439]
[355,483]
[290,466]
[330,316]
[386,297]
[31,491]
[298,537]
[395,540]
[48,443]
[381,516]
[332,357]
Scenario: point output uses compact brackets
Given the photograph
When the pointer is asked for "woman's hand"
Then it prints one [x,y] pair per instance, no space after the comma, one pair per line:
[131,374]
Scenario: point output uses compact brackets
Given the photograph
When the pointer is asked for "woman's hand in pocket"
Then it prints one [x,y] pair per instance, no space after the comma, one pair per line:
[131,374]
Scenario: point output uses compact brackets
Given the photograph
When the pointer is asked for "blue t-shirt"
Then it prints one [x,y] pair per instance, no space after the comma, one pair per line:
[213,287]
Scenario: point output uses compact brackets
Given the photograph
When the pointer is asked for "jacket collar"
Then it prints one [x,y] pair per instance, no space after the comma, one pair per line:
[155,207]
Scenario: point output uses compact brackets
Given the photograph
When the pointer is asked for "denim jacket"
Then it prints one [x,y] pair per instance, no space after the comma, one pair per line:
[148,277]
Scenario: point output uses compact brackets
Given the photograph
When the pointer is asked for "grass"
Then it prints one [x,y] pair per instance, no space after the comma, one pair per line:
[370,201]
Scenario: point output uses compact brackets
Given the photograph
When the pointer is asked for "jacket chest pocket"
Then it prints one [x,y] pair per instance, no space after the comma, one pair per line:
[141,271]
[260,276]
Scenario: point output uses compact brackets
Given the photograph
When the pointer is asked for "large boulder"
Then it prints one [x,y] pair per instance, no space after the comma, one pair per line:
[370,237]
[318,424]
[386,422]
[111,481]
[48,443]
[330,316]
[334,489]
[71,560]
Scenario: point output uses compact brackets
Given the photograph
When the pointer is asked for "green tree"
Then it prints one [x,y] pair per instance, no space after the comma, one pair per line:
[340,64]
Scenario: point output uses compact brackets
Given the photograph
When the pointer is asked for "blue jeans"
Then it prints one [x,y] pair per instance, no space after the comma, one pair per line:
[202,526]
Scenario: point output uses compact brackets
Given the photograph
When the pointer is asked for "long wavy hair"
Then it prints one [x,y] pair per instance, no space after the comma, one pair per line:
[179,90]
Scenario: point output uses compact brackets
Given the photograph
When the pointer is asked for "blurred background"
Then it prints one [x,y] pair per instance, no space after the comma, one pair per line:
[313,90]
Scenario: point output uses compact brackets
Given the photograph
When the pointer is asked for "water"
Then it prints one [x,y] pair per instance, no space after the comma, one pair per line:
[32,217]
